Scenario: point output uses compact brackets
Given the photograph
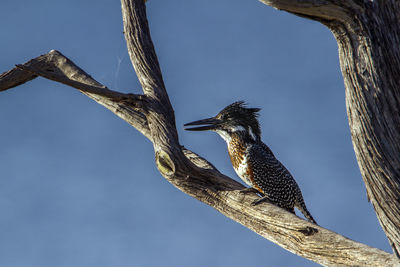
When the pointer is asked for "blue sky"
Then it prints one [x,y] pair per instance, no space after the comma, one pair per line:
[78,186]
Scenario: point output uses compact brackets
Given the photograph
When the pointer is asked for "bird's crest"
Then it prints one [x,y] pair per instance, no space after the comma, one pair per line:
[238,113]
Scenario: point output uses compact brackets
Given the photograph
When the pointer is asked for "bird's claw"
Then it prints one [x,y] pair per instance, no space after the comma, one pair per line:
[260,200]
[249,190]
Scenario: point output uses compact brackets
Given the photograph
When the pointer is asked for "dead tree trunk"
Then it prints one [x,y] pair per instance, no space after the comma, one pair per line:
[153,115]
[367,33]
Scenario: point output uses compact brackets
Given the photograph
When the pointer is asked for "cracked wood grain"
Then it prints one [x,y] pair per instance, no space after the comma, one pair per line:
[368,37]
[152,114]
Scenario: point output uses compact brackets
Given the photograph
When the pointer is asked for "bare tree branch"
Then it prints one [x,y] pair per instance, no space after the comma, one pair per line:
[143,57]
[57,67]
[152,115]
[320,10]
[15,77]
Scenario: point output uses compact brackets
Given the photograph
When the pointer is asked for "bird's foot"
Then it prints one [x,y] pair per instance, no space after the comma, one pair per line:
[308,231]
[249,190]
[260,200]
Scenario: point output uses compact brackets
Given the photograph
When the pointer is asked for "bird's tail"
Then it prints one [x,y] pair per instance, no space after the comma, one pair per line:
[302,207]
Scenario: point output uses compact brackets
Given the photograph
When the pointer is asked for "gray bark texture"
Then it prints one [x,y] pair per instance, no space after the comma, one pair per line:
[367,33]
[369,54]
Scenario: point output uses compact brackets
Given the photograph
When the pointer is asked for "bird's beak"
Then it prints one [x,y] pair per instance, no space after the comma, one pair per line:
[208,124]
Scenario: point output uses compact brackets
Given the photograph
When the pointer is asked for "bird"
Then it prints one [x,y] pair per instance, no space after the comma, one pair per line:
[253,161]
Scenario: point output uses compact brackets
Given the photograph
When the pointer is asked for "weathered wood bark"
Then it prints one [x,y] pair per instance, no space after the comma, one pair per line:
[368,36]
[152,114]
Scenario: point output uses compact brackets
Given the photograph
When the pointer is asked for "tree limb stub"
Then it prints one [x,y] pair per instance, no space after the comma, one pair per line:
[368,37]
[193,174]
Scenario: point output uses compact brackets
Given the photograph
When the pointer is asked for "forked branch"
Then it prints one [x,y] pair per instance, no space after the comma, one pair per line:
[152,115]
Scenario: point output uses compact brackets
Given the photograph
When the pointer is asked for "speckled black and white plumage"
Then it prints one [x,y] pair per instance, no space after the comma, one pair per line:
[275,180]
[252,160]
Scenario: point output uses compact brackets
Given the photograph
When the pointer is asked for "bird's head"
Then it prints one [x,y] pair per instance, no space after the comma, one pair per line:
[233,119]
